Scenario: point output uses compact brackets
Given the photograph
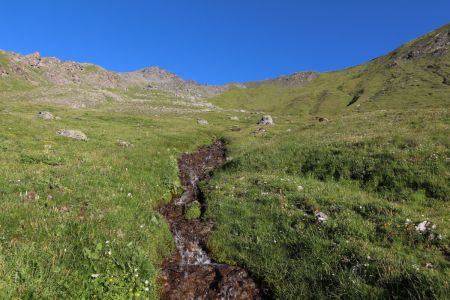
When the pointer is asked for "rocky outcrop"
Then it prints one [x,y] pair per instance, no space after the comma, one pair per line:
[436,45]
[55,71]
[33,59]
[156,78]
[294,80]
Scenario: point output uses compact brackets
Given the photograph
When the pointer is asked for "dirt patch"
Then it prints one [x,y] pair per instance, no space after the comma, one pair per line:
[190,273]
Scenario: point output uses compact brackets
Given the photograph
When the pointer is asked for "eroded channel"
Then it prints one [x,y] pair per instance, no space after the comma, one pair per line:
[190,273]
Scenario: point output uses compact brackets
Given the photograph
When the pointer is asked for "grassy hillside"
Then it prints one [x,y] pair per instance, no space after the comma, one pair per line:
[73,209]
[377,170]
[375,175]
[392,81]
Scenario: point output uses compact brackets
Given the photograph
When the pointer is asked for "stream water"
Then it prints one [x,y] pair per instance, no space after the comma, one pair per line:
[190,273]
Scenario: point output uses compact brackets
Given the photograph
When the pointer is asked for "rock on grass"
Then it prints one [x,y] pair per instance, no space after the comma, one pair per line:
[74,134]
[322,119]
[259,131]
[321,217]
[266,120]
[202,122]
[46,115]
[123,143]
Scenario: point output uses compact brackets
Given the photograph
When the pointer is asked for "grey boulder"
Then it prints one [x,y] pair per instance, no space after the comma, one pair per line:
[266,120]
[46,115]
[202,122]
[74,134]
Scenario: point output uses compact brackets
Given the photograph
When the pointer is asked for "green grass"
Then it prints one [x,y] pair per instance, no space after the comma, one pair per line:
[193,211]
[4,59]
[369,172]
[96,208]
[91,68]
[14,85]
[370,180]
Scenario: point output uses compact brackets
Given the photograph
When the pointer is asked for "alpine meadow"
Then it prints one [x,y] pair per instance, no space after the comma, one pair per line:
[143,185]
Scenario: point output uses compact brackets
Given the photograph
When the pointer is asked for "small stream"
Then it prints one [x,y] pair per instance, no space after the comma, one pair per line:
[190,273]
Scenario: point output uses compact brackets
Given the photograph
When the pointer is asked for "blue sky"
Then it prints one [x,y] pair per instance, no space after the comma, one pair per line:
[217,41]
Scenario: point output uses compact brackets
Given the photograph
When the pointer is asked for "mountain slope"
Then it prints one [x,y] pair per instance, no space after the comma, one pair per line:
[416,74]
[50,80]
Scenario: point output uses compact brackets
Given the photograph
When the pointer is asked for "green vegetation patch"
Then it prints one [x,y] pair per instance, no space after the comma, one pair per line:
[193,211]
[334,210]
[4,59]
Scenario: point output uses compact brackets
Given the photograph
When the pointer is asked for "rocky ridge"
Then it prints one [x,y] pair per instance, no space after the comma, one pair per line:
[80,85]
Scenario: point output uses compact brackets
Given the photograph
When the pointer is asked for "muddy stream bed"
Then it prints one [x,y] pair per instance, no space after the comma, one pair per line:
[190,273]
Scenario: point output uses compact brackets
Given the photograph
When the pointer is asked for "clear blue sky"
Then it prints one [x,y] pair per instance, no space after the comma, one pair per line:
[217,41]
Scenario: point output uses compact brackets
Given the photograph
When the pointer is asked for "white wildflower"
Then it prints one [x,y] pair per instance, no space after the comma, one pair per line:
[422,227]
